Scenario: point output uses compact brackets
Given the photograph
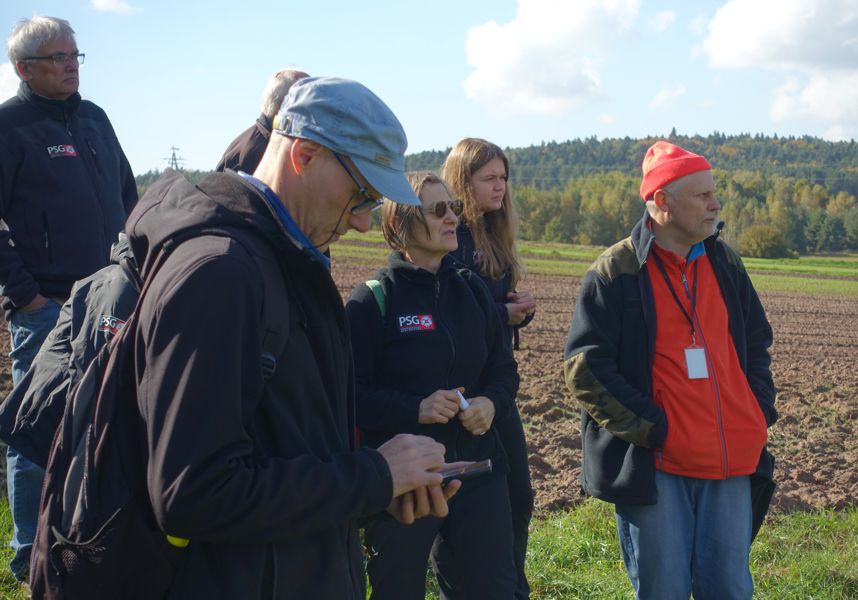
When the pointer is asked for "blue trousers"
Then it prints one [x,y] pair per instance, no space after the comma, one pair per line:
[23,477]
[696,539]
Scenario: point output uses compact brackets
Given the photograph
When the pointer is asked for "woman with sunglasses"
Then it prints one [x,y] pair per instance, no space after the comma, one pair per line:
[477,171]
[433,330]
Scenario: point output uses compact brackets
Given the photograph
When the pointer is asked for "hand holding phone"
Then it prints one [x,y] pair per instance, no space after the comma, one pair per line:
[468,471]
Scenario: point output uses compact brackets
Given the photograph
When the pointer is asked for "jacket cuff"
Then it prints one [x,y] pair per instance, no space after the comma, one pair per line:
[658,432]
[20,300]
[381,491]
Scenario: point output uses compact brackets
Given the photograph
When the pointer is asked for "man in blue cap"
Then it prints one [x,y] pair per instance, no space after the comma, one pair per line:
[252,467]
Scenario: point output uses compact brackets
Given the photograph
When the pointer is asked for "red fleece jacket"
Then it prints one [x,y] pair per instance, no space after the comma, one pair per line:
[715,426]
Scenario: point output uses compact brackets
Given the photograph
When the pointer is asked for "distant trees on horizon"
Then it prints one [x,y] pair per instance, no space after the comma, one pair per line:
[780,196]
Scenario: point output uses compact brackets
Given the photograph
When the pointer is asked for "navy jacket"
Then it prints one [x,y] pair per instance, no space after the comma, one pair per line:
[440,331]
[609,357]
[65,191]
[90,318]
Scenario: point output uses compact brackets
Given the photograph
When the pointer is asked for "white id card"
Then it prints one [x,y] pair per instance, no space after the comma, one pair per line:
[695,362]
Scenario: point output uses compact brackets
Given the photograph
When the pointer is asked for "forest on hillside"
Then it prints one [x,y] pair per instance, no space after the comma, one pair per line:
[780,196]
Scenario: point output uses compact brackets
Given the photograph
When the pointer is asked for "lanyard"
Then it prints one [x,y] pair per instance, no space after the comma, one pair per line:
[691,296]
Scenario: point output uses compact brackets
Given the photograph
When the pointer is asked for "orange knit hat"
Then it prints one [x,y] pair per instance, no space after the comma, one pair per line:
[665,162]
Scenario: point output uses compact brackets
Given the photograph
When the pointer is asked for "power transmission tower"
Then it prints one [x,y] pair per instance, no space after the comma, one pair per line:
[173,161]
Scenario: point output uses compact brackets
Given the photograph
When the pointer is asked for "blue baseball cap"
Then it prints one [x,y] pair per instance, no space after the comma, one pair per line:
[347,118]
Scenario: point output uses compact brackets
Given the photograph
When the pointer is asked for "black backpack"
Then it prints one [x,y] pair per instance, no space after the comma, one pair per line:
[97,537]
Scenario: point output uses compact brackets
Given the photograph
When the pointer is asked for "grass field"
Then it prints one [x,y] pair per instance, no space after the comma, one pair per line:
[835,274]
[575,555]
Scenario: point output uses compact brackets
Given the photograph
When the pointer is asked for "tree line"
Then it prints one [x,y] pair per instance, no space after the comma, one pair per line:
[780,196]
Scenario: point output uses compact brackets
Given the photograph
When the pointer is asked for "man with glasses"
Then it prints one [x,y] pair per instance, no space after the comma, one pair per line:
[253,465]
[65,191]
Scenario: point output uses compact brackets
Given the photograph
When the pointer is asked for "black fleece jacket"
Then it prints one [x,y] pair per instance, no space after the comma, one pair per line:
[65,191]
[465,254]
[259,473]
[246,150]
[440,331]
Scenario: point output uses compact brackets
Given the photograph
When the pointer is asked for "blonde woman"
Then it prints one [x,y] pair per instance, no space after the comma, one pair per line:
[478,171]
[435,331]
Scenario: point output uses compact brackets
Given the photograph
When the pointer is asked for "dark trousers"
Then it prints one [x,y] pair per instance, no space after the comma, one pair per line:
[520,492]
[479,545]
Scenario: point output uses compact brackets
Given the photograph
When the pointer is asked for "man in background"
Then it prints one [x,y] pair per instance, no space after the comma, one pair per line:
[65,191]
[668,356]
[246,150]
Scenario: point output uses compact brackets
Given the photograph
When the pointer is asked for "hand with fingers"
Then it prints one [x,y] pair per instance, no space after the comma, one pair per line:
[520,306]
[413,461]
[477,419]
[439,407]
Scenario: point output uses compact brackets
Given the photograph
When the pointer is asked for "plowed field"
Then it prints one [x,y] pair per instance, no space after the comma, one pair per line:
[815,364]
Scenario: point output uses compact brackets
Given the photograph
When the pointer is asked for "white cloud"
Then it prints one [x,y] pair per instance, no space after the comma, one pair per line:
[784,34]
[666,96]
[832,96]
[662,20]
[8,81]
[547,59]
[608,119]
[814,42]
[120,7]
[839,133]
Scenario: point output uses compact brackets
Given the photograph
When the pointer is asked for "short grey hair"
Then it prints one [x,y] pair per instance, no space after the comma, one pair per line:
[277,88]
[670,188]
[28,35]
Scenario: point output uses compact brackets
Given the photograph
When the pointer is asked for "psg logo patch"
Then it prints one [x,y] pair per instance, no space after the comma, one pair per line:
[110,325]
[408,323]
[61,150]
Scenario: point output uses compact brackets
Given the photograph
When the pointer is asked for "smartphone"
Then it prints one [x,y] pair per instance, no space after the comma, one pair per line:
[467,472]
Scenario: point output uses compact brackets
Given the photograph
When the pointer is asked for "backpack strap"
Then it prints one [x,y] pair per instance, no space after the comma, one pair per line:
[377,289]
[275,320]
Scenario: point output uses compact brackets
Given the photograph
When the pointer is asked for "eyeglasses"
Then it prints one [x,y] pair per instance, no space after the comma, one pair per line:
[369,203]
[60,58]
[439,209]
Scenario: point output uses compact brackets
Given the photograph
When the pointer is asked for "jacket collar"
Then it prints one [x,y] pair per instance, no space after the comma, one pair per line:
[59,109]
[264,123]
[642,240]
[397,263]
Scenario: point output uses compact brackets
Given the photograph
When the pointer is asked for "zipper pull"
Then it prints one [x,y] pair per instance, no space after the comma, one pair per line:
[91,148]
[685,284]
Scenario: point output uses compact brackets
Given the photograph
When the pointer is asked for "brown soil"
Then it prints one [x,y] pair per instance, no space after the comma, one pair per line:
[815,364]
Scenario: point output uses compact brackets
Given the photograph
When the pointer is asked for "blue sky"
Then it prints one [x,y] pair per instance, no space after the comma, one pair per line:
[189,74]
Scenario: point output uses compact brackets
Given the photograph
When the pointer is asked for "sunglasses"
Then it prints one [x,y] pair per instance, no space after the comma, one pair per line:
[439,209]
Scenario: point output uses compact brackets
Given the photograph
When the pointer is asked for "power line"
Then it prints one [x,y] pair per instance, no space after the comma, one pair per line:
[173,161]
